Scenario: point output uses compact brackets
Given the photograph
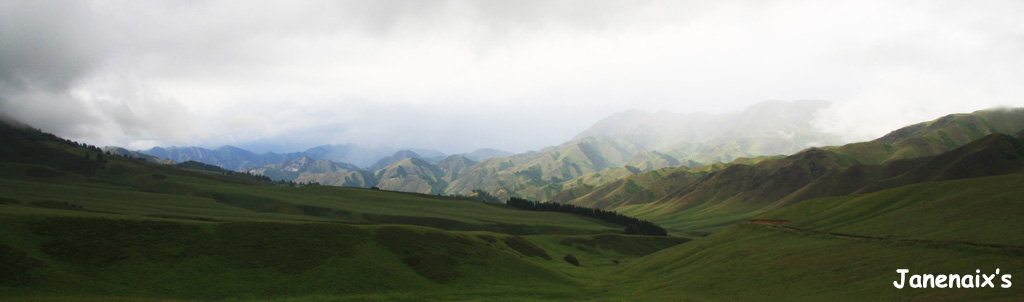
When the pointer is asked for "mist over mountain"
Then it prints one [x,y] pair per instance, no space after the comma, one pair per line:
[485,154]
[769,127]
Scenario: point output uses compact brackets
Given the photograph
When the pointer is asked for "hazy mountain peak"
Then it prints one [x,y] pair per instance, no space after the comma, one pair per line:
[486,153]
[398,156]
[769,127]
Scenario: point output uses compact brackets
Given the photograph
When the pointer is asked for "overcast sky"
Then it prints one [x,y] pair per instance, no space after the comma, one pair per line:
[460,75]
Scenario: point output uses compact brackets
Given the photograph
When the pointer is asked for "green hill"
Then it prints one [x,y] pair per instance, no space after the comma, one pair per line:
[539,175]
[742,189]
[848,248]
[303,166]
[412,175]
[995,154]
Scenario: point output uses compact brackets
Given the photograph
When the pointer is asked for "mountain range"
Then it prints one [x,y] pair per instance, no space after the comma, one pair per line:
[619,146]
[237,159]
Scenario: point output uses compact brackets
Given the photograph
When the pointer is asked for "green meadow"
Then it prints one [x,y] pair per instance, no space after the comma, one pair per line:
[75,229]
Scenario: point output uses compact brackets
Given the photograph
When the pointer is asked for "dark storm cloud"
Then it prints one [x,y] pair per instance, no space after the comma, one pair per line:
[46,45]
[48,48]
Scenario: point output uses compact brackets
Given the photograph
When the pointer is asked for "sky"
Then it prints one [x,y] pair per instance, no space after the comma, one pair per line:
[456,76]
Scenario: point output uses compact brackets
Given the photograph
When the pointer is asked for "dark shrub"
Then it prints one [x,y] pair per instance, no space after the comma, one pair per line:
[571,259]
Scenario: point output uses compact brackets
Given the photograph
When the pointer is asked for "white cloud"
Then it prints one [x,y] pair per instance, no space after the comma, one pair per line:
[516,75]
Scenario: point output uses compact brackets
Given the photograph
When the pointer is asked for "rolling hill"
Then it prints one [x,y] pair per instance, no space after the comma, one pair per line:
[849,248]
[745,187]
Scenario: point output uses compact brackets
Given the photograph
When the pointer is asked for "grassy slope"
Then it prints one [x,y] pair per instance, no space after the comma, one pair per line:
[82,257]
[73,257]
[136,192]
[939,227]
[750,262]
[979,210]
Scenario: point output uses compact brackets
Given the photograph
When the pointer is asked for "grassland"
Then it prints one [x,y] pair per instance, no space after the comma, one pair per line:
[73,229]
[72,258]
[750,262]
[848,248]
[836,249]
[149,191]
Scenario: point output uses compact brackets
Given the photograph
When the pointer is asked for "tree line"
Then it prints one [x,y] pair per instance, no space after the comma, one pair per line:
[633,225]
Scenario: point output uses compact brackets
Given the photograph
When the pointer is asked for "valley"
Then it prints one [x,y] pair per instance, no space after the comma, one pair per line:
[832,222]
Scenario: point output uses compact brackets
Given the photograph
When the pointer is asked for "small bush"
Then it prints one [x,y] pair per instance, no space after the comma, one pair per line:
[571,259]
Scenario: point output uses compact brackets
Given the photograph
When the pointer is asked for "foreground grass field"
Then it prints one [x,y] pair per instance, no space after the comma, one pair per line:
[750,262]
[57,257]
[849,248]
[147,191]
[72,256]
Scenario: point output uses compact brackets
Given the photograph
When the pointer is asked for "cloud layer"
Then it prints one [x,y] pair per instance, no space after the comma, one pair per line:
[460,75]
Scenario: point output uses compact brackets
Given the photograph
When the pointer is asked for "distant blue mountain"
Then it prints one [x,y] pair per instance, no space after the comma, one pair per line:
[238,159]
